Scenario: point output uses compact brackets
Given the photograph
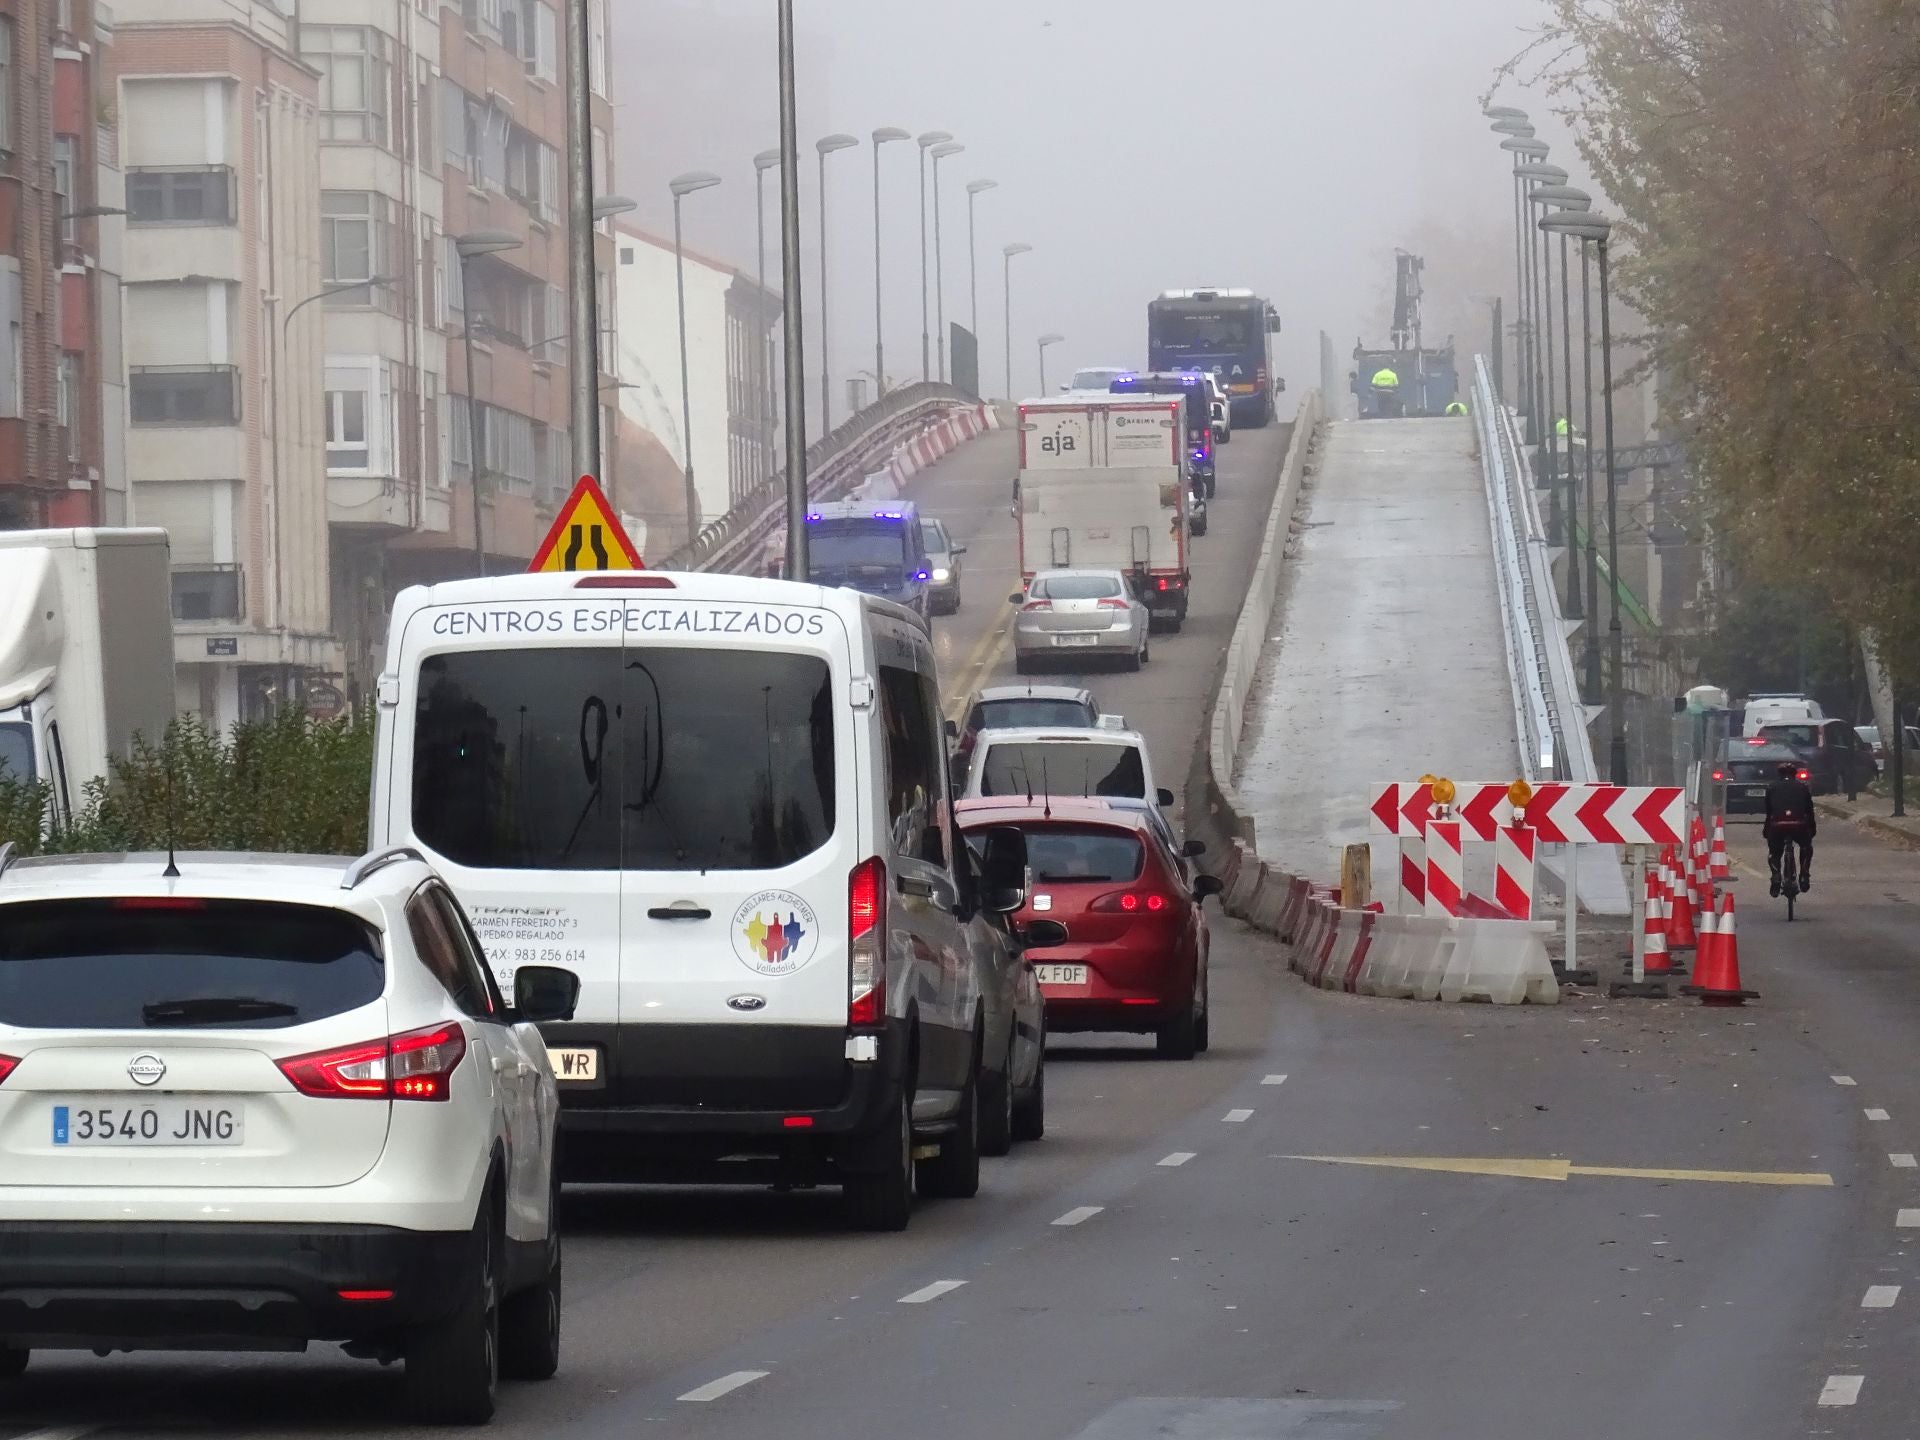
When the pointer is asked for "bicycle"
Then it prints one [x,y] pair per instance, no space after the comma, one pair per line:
[1791,888]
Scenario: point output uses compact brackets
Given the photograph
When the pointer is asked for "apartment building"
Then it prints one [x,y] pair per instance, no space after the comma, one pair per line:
[61,418]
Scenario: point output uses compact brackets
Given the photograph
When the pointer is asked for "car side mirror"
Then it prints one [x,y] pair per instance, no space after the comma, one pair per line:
[953,729]
[1163,795]
[1043,935]
[1113,722]
[1194,849]
[1003,869]
[1280,385]
[1206,885]
[1017,598]
[959,549]
[543,994]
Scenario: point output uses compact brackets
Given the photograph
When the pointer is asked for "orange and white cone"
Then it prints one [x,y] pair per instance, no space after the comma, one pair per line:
[1720,868]
[1717,973]
[1658,961]
[1680,928]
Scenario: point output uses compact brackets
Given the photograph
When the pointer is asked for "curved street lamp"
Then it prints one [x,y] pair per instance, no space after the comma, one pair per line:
[826,146]
[926,142]
[975,189]
[763,162]
[466,247]
[939,153]
[1007,252]
[886,135]
[1045,340]
[682,186]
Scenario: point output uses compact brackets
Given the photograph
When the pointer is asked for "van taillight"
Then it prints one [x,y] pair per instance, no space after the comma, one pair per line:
[624,582]
[418,1065]
[867,945]
[8,1064]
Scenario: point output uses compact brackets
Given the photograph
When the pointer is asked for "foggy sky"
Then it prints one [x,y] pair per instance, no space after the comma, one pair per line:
[1138,146]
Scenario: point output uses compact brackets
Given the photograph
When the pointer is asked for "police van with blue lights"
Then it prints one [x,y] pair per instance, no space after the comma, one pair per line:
[877,549]
[724,804]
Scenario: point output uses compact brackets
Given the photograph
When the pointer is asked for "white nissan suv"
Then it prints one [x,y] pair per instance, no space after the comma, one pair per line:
[253,1102]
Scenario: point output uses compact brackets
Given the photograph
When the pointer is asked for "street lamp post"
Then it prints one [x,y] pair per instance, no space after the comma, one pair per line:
[766,160]
[1045,341]
[791,316]
[682,186]
[466,248]
[1599,230]
[884,136]
[1511,124]
[975,189]
[1540,283]
[825,147]
[926,143]
[1525,151]
[1567,199]
[1018,247]
[939,153]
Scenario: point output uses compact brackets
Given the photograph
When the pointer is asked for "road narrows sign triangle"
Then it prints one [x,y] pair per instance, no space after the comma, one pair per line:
[586,535]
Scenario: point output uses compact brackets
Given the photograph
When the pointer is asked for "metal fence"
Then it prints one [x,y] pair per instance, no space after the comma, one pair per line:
[835,463]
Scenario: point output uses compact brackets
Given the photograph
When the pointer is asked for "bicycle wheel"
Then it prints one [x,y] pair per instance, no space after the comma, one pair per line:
[1792,895]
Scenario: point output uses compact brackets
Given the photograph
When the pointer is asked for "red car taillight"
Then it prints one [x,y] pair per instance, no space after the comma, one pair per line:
[1806,775]
[867,945]
[8,1064]
[418,1065]
[1111,604]
[1130,902]
[1719,775]
[1033,605]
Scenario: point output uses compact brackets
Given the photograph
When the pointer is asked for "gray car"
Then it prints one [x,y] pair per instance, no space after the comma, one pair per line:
[1068,617]
[943,564]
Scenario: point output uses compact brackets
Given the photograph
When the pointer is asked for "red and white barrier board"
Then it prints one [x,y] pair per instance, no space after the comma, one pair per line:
[1608,814]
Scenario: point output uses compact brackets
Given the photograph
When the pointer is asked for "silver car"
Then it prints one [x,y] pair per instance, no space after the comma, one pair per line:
[1068,617]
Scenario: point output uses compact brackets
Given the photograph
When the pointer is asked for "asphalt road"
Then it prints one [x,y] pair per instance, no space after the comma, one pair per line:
[1164,1264]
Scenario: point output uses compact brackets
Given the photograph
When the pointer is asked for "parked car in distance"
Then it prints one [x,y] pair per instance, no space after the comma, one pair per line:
[943,564]
[1080,615]
[1039,762]
[1220,407]
[253,1102]
[1837,759]
[1136,960]
[1748,767]
[1009,707]
[1095,377]
[1883,754]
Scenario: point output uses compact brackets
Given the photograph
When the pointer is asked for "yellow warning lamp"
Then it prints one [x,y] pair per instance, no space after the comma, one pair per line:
[1519,794]
[1428,779]
[1443,792]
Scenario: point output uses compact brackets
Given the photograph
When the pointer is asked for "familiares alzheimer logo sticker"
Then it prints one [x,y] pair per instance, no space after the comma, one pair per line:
[775,932]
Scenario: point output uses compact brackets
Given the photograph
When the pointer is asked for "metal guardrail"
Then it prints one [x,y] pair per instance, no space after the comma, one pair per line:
[835,462]
[1547,703]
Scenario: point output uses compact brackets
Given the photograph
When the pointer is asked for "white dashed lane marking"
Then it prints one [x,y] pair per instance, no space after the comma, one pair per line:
[1880,1297]
[1903,1162]
[931,1292]
[1844,1080]
[1878,1114]
[1842,1389]
[1274,1080]
[725,1385]
[1179,1157]
[1079,1214]
[1236,1117]
[1908,1219]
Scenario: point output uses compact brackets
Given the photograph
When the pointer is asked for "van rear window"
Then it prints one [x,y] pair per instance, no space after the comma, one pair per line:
[216,964]
[1063,768]
[636,759]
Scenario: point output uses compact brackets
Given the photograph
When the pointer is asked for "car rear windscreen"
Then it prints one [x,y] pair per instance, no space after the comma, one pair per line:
[1078,587]
[1061,856]
[1063,768]
[636,759]
[1805,736]
[1030,714]
[182,964]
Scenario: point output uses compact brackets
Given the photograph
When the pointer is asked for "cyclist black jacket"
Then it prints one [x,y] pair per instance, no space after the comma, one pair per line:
[1790,801]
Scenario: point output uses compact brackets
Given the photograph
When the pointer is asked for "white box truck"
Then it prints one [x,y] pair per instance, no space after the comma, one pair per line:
[1104,484]
[86,653]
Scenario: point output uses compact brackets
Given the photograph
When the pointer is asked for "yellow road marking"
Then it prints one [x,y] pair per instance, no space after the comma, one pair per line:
[980,664]
[1564,1169]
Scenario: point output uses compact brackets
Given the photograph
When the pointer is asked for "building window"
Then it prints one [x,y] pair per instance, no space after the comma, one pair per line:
[211,592]
[482,17]
[183,394]
[355,81]
[68,400]
[347,447]
[6,83]
[356,243]
[64,147]
[187,195]
[543,59]
[597,45]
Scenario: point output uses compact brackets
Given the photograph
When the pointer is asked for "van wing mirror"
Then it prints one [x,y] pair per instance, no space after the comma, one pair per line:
[959,550]
[1163,795]
[1194,849]
[1113,722]
[544,994]
[1003,869]
[1207,885]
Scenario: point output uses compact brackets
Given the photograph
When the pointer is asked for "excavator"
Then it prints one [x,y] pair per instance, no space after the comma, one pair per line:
[1428,379]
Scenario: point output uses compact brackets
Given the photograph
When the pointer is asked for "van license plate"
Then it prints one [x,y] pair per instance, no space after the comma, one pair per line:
[1756,792]
[156,1123]
[574,1063]
[1060,974]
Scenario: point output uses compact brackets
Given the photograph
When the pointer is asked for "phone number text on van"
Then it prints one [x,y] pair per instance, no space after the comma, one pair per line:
[758,620]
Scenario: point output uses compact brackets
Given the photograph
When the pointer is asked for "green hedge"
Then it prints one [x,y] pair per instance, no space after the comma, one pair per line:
[287,784]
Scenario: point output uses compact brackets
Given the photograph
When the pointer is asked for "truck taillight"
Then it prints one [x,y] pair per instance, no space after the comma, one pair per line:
[417,1065]
[867,945]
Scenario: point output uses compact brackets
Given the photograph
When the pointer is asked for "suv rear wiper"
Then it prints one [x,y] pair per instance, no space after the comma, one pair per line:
[215,1010]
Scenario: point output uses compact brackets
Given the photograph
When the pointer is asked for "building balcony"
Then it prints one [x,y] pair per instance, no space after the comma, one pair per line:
[183,395]
[368,504]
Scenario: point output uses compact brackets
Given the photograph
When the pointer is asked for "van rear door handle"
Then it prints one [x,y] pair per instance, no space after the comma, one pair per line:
[681,911]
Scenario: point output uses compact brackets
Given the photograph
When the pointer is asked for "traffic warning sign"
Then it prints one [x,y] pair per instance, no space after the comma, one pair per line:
[585,536]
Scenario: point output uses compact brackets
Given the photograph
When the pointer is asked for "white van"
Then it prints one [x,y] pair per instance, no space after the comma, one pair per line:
[1779,709]
[723,803]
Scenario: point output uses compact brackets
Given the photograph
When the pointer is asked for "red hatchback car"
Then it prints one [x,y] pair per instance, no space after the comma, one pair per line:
[1137,959]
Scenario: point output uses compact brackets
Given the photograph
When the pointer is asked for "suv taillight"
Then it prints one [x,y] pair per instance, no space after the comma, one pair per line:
[867,945]
[8,1064]
[418,1065]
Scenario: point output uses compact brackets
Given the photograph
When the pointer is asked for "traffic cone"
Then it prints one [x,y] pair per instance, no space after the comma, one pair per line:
[1680,929]
[1659,963]
[1717,973]
[1720,868]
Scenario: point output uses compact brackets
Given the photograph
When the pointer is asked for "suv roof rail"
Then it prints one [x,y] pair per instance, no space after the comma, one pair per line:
[378,860]
[6,857]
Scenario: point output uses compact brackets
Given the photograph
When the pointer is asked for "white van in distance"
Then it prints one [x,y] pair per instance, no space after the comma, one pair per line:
[723,803]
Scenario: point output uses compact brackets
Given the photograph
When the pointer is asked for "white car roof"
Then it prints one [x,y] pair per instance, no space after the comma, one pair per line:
[294,879]
[1089,572]
[1061,734]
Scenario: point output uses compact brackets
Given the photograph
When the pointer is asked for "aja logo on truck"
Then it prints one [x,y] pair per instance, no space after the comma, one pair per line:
[1058,444]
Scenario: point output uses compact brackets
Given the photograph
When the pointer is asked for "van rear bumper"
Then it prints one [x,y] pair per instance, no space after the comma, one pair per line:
[607,1138]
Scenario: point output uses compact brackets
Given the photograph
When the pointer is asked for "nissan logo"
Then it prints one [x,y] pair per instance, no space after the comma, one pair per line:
[746,1002]
[146,1069]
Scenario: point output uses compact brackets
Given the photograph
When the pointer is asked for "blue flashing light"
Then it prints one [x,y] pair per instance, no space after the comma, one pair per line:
[813,517]
[921,575]
[889,514]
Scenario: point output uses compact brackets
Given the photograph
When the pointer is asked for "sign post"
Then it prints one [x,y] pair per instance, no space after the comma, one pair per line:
[586,535]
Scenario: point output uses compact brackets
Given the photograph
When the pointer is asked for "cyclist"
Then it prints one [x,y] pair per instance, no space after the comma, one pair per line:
[1790,818]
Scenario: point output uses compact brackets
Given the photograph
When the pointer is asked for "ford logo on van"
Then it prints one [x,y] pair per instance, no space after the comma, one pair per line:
[746,1002]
